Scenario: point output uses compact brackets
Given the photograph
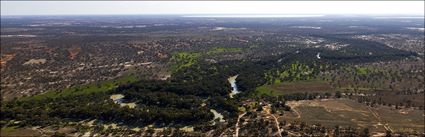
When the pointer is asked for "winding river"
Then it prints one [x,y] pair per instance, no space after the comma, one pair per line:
[232,81]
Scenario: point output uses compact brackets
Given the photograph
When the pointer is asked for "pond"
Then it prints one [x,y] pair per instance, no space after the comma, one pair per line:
[232,81]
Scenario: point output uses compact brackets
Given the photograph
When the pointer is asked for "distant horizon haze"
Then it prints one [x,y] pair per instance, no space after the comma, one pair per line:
[39,8]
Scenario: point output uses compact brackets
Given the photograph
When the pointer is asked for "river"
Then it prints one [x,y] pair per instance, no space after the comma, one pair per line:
[232,81]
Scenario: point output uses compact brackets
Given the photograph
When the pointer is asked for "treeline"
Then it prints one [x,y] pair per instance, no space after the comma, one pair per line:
[54,111]
[363,50]
[397,100]
[180,95]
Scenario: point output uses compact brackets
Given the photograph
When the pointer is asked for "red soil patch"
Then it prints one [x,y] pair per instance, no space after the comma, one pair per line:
[73,52]
[5,58]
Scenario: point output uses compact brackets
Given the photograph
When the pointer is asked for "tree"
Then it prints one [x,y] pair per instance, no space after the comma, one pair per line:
[336,131]
[338,94]
[365,132]
[284,133]
[388,133]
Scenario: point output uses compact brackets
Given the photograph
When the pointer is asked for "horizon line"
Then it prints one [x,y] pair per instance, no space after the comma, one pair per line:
[221,15]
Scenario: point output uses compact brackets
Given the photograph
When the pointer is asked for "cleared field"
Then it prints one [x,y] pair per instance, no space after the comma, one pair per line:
[344,112]
[18,132]
[403,120]
[295,87]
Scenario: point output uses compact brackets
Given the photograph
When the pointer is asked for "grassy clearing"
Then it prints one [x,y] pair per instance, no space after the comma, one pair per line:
[282,88]
[15,132]
[403,120]
[218,50]
[292,72]
[362,71]
[344,112]
[323,116]
[266,90]
[86,89]
[242,109]
[330,113]
[183,60]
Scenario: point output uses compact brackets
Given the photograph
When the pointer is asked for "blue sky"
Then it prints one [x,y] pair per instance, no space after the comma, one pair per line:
[209,7]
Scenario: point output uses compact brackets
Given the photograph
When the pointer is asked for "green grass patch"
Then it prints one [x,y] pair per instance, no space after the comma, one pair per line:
[254,46]
[218,50]
[85,89]
[293,72]
[281,88]
[183,60]
[266,90]
[16,131]
[362,71]
[8,129]
[242,109]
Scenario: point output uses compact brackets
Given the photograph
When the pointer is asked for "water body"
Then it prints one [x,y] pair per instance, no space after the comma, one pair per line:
[218,116]
[232,81]
[119,98]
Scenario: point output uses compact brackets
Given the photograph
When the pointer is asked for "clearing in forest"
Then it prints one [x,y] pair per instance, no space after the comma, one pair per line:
[295,87]
[345,112]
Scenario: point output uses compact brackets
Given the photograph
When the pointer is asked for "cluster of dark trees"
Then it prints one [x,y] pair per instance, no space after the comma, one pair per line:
[257,127]
[358,50]
[391,100]
[96,106]
[163,103]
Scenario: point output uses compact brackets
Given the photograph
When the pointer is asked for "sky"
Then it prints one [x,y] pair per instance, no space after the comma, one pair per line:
[209,7]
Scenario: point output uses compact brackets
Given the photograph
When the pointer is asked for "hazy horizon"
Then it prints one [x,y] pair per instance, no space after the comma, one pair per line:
[18,8]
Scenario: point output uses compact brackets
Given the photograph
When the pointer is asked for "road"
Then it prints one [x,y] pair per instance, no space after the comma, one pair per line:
[378,118]
[275,119]
[237,125]
[298,113]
